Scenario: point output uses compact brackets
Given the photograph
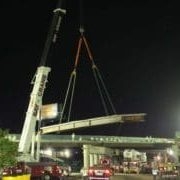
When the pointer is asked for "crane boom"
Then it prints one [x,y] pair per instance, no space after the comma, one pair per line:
[40,80]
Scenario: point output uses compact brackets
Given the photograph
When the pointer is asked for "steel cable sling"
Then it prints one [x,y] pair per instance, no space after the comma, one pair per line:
[96,72]
[72,82]
[99,81]
[103,92]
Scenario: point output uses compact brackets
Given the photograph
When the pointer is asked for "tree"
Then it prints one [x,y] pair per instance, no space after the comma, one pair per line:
[8,150]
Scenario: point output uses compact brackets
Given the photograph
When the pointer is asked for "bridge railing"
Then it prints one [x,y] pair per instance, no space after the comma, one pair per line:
[93,139]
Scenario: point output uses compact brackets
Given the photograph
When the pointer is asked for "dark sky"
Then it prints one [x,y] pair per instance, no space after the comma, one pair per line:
[135,44]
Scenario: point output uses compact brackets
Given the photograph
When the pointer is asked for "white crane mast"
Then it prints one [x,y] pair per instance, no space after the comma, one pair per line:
[33,109]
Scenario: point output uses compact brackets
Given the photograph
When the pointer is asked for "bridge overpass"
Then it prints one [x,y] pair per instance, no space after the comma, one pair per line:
[55,140]
[96,146]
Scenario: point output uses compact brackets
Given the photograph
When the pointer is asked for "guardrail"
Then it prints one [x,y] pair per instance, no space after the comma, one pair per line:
[97,139]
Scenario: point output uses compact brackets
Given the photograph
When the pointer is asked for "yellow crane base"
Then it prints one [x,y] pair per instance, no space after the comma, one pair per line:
[19,177]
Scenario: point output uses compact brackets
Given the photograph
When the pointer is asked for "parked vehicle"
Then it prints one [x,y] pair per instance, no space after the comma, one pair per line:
[37,170]
[101,171]
[133,161]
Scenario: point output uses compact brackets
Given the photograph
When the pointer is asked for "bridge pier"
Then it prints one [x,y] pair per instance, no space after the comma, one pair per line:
[91,160]
[92,154]
[95,159]
[86,156]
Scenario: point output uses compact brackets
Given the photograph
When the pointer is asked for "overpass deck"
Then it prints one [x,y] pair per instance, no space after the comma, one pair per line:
[107,141]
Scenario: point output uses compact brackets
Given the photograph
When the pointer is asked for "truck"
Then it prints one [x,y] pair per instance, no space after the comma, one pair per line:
[168,170]
[133,161]
[101,171]
[29,144]
[35,170]
[166,166]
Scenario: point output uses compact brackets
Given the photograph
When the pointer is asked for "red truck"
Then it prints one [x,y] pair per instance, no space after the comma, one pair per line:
[102,171]
[37,170]
[45,170]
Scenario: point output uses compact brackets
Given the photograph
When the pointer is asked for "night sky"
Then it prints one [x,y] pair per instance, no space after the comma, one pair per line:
[135,45]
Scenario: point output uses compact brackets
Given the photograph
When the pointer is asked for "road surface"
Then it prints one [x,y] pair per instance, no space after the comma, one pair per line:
[133,177]
[122,177]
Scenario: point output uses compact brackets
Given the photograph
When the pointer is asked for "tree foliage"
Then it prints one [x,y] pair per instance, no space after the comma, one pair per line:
[8,150]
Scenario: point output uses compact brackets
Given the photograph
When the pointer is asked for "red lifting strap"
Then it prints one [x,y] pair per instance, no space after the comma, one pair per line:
[88,49]
[78,52]
[82,39]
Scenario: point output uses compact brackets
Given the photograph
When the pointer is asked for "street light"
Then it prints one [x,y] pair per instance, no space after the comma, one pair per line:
[48,152]
[158,157]
[67,153]
[170,151]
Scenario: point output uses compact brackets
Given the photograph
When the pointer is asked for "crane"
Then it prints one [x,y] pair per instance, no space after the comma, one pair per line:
[39,85]
[110,113]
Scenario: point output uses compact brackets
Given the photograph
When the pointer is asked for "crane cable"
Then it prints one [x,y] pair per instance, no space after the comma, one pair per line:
[72,82]
[95,69]
[96,73]
[98,80]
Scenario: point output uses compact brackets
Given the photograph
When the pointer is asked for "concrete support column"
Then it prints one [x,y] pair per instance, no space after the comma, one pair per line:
[91,159]
[86,155]
[100,157]
[176,153]
[95,159]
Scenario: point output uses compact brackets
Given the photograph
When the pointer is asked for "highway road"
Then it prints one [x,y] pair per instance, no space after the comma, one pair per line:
[133,177]
[122,177]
